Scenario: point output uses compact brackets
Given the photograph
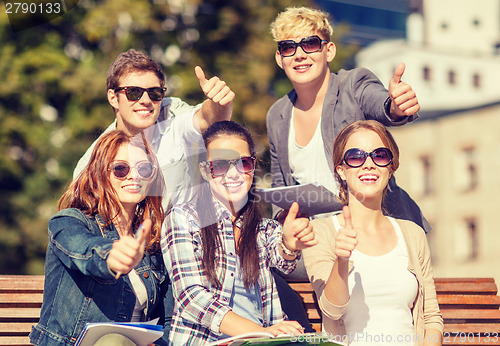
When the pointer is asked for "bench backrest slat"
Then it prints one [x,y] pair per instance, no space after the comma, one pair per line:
[15,340]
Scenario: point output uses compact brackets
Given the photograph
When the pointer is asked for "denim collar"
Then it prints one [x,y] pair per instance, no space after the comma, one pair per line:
[109,232]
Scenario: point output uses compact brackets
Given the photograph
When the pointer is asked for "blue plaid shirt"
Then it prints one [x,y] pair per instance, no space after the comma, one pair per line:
[199,306]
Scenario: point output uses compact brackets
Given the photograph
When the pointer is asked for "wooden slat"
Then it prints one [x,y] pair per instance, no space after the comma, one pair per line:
[21,283]
[442,284]
[313,314]
[472,301]
[466,288]
[308,298]
[15,340]
[9,328]
[477,328]
[19,314]
[301,286]
[446,280]
[17,299]
[487,315]
[316,326]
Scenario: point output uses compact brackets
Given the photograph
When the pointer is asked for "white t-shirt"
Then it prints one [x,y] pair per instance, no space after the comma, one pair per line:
[177,145]
[382,291]
[141,295]
[309,163]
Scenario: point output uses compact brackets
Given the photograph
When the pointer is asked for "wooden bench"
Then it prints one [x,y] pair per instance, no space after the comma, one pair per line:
[20,302]
[470,308]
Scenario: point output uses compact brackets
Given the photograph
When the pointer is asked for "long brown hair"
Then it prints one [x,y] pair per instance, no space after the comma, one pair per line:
[250,214]
[92,193]
[341,141]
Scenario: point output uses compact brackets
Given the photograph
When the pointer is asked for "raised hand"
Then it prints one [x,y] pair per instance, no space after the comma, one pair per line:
[404,101]
[214,88]
[297,231]
[127,252]
[346,241]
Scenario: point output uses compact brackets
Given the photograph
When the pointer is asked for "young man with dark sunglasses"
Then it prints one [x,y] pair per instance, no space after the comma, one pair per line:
[303,124]
[136,92]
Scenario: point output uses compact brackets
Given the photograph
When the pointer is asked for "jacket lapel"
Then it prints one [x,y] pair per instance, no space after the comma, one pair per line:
[329,122]
[283,125]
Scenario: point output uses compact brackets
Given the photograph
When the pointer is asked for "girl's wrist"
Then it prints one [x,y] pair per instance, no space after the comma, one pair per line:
[287,251]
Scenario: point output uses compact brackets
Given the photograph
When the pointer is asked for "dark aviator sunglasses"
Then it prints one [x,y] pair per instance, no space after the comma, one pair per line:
[308,44]
[245,164]
[134,93]
[382,157]
[121,169]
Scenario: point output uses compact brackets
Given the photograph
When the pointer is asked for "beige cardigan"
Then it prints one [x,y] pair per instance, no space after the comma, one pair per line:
[319,260]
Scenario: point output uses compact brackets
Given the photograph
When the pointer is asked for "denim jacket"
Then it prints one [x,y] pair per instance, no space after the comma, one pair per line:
[80,287]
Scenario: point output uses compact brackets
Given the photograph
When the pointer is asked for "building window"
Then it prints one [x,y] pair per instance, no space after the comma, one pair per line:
[427,73]
[452,77]
[466,174]
[427,186]
[467,240]
[497,48]
[421,176]
[476,80]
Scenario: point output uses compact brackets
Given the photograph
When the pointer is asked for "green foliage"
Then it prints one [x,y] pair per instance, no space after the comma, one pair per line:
[53,94]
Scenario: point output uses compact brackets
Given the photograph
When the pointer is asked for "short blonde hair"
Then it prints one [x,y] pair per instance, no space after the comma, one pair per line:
[296,21]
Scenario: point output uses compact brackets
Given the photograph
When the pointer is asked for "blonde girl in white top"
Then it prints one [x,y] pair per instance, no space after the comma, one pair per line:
[365,281]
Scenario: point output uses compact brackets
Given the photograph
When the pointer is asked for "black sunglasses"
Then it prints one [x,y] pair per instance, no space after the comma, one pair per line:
[245,164]
[134,93]
[382,157]
[309,44]
[121,169]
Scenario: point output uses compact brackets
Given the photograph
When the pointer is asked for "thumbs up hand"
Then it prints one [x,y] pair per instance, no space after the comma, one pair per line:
[297,232]
[127,252]
[214,88]
[404,101]
[346,241]
[219,103]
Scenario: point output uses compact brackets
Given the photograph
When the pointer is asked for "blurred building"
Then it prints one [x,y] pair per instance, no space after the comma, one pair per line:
[450,157]
[369,20]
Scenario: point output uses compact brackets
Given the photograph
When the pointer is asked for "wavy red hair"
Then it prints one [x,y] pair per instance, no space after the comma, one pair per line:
[92,193]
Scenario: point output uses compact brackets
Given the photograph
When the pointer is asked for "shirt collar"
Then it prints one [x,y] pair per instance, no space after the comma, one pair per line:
[156,132]
[221,211]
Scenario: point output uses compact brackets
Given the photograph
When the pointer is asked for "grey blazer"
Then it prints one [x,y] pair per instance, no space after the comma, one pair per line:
[352,95]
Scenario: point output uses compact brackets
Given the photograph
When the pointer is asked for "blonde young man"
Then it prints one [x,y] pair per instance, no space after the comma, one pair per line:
[303,124]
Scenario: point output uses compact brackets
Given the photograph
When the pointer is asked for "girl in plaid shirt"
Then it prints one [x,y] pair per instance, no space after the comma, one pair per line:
[218,249]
